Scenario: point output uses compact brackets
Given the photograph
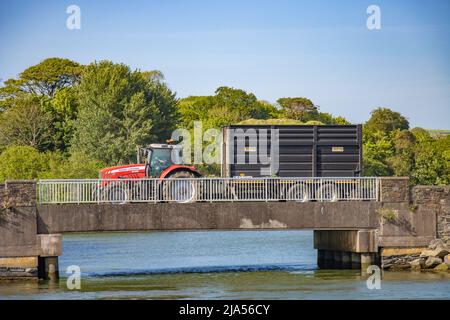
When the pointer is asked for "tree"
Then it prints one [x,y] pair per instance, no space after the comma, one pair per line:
[44,78]
[432,162]
[228,106]
[327,118]
[386,120]
[421,135]
[194,108]
[153,75]
[377,147]
[21,162]
[402,162]
[64,110]
[341,121]
[26,123]
[77,166]
[299,108]
[385,144]
[118,110]
[267,110]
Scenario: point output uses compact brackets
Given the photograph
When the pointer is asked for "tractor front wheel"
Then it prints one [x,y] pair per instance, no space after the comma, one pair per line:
[115,193]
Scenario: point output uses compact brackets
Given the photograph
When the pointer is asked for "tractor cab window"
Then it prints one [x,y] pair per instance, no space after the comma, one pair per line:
[160,159]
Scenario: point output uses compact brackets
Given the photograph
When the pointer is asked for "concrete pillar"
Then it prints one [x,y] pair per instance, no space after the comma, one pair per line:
[328,258]
[321,259]
[346,260]
[337,260]
[355,260]
[366,260]
[48,268]
[50,247]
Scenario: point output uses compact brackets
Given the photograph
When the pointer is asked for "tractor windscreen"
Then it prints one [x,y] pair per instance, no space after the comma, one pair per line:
[160,159]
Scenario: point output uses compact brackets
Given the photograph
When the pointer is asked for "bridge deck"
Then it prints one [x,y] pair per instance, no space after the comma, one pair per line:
[207,216]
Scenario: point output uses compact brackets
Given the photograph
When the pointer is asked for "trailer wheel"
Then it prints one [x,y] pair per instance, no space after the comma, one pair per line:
[298,193]
[328,192]
[181,191]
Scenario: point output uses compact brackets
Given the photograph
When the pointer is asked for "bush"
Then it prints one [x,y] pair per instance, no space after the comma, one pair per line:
[21,162]
[77,166]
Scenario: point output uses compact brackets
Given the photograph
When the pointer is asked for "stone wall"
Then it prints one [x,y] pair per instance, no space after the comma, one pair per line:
[401,223]
[425,202]
[18,229]
[394,189]
[435,199]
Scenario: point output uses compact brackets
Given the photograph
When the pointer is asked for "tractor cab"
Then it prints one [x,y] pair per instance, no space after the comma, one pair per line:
[160,157]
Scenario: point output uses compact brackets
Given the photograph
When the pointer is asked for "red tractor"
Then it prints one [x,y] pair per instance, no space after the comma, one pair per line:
[163,161]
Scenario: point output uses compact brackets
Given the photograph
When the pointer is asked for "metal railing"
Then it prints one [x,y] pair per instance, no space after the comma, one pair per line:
[186,190]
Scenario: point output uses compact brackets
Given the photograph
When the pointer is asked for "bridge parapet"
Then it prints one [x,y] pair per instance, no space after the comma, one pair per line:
[404,219]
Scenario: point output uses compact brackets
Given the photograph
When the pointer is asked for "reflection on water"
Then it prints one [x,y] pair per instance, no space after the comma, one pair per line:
[214,265]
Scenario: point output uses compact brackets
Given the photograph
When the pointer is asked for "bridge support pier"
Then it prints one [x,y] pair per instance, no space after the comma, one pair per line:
[355,260]
[50,247]
[48,268]
[345,249]
[346,262]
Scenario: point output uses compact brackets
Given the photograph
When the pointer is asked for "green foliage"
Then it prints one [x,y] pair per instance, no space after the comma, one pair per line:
[77,166]
[270,122]
[377,147]
[391,150]
[439,133]
[44,78]
[26,122]
[63,109]
[298,108]
[381,136]
[421,135]
[268,110]
[387,215]
[386,120]
[432,162]
[21,162]
[402,162]
[25,162]
[227,106]
[314,123]
[341,121]
[118,110]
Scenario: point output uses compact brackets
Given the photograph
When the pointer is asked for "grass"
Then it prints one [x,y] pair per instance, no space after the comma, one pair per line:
[439,133]
[387,215]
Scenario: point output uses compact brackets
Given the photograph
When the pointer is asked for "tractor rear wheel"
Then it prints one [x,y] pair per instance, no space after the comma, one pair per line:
[179,187]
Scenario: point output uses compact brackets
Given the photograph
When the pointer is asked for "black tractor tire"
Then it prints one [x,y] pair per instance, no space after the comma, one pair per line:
[180,191]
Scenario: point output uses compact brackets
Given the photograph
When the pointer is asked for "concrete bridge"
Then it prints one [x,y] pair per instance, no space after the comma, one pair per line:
[347,234]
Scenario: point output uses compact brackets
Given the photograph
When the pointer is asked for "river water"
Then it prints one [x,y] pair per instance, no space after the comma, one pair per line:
[214,265]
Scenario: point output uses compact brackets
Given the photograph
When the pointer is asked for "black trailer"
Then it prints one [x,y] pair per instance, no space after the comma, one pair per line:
[301,151]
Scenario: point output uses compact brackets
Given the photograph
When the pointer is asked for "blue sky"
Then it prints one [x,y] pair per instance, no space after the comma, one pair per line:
[317,49]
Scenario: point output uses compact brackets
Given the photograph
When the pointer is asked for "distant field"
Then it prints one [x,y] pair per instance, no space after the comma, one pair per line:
[439,133]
